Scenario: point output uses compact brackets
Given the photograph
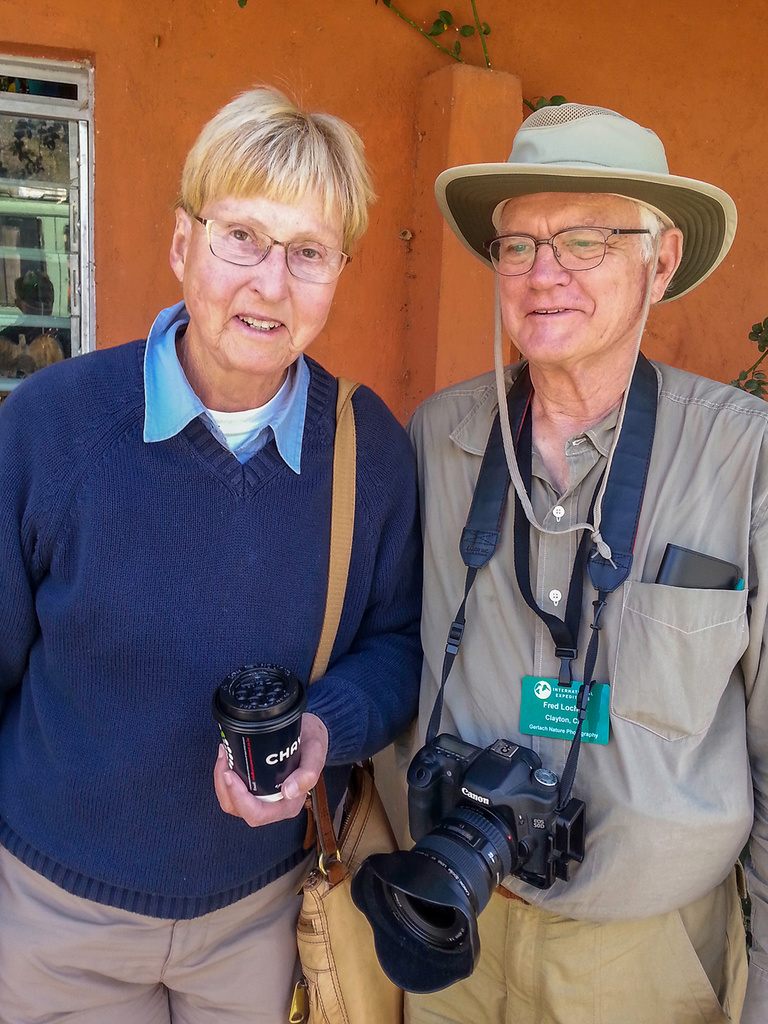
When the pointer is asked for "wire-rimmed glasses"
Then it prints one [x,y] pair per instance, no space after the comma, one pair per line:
[574,249]
[245,247]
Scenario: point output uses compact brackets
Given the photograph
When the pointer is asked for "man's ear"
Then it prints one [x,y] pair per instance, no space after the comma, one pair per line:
[670,254]
[182,235]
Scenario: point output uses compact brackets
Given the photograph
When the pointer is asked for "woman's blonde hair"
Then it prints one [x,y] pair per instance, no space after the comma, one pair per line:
[261,144]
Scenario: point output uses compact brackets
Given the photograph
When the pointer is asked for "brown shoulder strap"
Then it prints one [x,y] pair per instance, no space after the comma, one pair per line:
[342,523]
[342,530]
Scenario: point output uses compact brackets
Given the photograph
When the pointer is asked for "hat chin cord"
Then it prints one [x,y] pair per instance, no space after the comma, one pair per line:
[506,431]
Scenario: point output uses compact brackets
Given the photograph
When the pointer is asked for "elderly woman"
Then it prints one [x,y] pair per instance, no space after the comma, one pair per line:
[166,523]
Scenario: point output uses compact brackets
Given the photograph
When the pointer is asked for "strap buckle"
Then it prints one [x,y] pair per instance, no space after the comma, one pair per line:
[566,656]
[455,633]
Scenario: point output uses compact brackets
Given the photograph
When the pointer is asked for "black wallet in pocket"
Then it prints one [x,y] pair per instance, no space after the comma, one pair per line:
[681,567]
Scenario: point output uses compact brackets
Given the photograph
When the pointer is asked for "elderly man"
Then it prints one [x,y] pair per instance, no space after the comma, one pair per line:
[667,483]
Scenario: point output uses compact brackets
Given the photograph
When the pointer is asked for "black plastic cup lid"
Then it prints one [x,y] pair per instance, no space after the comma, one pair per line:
[259,693]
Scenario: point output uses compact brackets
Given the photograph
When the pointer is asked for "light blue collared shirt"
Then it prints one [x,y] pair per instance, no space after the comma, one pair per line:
[170,403]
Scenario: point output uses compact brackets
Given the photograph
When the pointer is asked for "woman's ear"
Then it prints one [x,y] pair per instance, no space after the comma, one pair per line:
[182,234]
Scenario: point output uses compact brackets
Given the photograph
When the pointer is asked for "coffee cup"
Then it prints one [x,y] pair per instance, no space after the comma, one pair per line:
[259,709]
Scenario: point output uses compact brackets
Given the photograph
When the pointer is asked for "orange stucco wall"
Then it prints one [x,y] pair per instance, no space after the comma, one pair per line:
[693,72]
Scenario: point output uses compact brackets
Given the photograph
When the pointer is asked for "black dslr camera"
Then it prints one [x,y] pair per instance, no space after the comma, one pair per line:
[507,786]
[477,815]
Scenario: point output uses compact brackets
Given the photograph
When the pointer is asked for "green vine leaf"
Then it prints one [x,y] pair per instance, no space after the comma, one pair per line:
[542,101]
[755,381]
[443,21]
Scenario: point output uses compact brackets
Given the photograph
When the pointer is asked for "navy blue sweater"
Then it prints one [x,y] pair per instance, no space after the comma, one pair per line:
[133,578]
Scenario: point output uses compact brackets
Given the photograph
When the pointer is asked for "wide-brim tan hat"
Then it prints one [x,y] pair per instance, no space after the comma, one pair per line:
[576,148]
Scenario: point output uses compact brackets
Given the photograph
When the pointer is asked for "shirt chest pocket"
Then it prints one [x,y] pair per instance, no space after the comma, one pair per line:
[675,654]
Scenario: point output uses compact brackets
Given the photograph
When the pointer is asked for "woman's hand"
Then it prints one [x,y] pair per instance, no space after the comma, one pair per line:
[235,798]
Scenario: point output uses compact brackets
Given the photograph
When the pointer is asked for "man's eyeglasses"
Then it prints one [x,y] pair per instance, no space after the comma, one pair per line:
[246,247]
[574,249]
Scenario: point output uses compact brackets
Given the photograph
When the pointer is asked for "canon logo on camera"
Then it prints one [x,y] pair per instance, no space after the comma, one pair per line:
[475,796]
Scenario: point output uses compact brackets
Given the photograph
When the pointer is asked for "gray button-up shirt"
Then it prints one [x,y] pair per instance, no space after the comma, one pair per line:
[670,798]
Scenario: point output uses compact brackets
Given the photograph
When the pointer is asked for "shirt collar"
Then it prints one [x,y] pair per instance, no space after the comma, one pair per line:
[170,403]
[471,434]
[601,434]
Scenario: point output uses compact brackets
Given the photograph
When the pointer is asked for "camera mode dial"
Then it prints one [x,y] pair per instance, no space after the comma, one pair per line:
[545,777]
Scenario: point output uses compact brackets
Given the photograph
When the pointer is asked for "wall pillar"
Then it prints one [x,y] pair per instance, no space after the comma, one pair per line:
[466,115]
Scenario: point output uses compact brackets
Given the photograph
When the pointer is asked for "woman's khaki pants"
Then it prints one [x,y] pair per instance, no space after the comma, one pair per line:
[537,968]
[67,960]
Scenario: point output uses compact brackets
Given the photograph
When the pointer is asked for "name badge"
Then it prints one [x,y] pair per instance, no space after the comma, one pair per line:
[547,709]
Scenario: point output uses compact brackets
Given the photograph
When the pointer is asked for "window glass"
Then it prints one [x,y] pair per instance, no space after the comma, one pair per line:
[45,287]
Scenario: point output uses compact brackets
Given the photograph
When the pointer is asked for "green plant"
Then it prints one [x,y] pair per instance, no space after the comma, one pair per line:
[543,101]
[445,20]
[753,380]
[442,23]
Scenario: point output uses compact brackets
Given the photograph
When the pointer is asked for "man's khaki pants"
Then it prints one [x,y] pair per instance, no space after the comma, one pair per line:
[67,960]
[537,968]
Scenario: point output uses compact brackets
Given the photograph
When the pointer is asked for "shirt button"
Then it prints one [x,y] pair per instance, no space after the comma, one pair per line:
[555,597]
[558,512]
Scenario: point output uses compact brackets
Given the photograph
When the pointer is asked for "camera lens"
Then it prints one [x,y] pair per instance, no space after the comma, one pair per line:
[477,846]
[423,903]
[433,923]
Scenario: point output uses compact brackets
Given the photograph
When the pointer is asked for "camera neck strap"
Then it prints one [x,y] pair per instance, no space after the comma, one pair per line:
[480,536]
[621,507]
